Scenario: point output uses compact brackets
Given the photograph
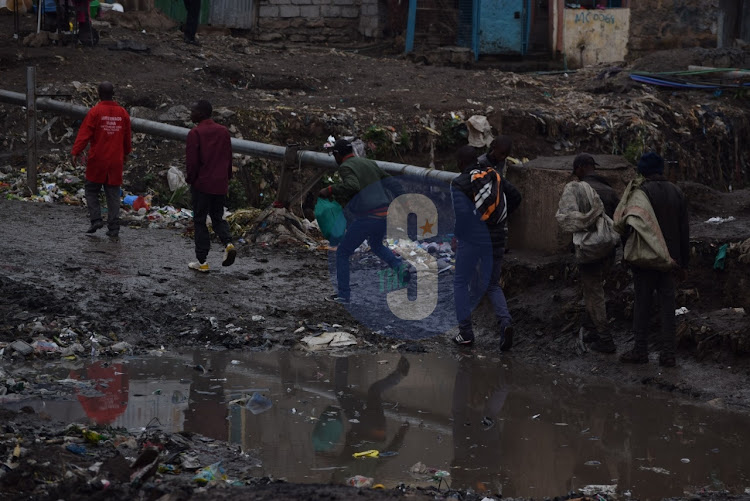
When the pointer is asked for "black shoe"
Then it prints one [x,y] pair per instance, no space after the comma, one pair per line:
[506,338]
[589,336]
[667,359]
[335,298]
[604,346]
[464,339]
[113,234]
[634,357]
[95,226]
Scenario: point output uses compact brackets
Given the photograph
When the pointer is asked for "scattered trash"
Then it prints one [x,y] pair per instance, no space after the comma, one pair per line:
[328,340]
[76,449]
[258,403]
[22,347]
[366,454]
[535,416]
[592,463]
[655,469]
[685,460]
[721,257]
[209,474]
[360,481]
[680,311]
[719,220]
[593,490]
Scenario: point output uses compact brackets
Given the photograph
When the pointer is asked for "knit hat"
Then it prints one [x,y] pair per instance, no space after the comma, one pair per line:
[651,163]
[343,147]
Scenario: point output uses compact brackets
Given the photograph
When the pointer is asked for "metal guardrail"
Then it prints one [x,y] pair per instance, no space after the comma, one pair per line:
[305,158]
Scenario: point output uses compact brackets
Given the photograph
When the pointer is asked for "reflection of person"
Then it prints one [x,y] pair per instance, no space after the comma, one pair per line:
[111,381]
[366,418]
[364,188]
[477,432]
[107,128]
[670,208]
[477,242]
[209,168]
[601,340]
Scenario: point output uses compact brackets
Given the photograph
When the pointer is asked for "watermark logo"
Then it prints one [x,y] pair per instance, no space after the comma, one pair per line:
[396,262]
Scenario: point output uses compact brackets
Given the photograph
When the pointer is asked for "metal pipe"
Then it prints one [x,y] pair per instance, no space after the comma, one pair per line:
[252,148]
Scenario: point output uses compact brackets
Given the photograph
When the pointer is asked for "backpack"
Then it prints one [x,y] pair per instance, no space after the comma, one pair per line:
[489,199]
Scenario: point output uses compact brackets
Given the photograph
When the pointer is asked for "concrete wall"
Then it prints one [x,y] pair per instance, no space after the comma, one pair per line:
[316,21]
[595,36]
[673,24]
[533,226]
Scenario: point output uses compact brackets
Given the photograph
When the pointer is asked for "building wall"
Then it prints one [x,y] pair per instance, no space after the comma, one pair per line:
[317,21]
[672,24]
[595,36]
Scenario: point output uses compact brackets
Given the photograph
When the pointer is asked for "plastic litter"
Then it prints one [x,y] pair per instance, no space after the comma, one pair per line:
[685,460]
[680,311]
[360,481]
[721,257]
[76,449]
[328,340]
[258,403]
[209,474]
[372,453]
[719,220]
[592,463]
[22,347]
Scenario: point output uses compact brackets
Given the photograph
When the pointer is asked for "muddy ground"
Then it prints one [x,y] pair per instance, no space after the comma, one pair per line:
[136,296]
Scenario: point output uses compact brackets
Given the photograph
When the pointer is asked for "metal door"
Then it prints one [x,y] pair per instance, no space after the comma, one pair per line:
[503,26]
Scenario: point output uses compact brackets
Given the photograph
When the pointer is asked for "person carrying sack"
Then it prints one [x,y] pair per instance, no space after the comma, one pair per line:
[585,209]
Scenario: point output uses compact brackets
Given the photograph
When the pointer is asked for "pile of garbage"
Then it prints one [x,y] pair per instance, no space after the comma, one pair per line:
[279,226]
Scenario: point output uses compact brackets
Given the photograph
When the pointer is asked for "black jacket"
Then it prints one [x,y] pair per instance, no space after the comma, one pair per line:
[605,191]
[670,208]
[469,227]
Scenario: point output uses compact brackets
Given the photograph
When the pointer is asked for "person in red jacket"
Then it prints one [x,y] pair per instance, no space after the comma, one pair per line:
[209,169]
[107,128]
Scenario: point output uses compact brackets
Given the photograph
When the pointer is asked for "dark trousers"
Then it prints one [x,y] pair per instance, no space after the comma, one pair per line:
[370,229]
[193,14]
[205,204]
[645,282]
[112,193]
[478,271]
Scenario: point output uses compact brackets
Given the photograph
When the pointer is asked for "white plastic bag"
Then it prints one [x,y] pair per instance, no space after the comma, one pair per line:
[175,178]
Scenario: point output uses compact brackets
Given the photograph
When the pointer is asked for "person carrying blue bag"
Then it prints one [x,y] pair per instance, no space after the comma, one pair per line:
[367,191]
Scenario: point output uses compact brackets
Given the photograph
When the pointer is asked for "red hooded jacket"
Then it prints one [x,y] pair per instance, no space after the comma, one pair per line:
[107,127]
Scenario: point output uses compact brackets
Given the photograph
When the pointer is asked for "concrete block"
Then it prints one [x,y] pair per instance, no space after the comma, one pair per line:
[268,11]
[279,2]
[350,12]
[289,11]
[344,2]
[533,225]
[330,11]
[310,11]
[298,38]
[301,2]
[369,10]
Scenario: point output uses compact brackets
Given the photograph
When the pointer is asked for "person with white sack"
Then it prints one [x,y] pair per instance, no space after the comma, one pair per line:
[586,209]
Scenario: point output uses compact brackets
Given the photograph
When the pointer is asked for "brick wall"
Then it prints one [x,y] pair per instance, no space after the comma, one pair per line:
[318,21]
[671,24]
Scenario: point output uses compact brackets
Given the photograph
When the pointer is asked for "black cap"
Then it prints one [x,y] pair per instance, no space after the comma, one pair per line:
[342,147]
[650,164]
[583,159]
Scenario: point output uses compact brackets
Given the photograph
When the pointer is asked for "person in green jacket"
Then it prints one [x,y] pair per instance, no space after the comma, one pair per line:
[366,190]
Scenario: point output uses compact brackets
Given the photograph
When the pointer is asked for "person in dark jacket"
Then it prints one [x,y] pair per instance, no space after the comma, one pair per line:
[670,209]
[480,247]
[584,167]
[107,129]
[193,8]
[209,169]
[366,190]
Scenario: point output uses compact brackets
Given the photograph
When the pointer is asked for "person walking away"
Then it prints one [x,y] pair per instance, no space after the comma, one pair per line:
[591,273]
[364,189]
[480,232]
[107,129]
[497,154]
[193,8]
[209,168]
[670,237]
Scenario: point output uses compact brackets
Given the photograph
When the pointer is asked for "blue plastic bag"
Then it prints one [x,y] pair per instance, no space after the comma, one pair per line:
[331,220]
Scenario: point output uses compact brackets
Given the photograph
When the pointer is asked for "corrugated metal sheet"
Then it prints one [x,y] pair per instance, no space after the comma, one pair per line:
[233,13]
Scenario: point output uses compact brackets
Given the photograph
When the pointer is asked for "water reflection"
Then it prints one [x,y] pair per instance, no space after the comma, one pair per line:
[495,426]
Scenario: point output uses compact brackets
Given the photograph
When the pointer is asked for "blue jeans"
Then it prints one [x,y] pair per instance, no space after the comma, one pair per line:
[370,229]
[478,270]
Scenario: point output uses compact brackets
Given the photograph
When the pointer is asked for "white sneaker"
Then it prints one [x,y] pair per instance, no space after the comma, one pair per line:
[195,265]
[229,254]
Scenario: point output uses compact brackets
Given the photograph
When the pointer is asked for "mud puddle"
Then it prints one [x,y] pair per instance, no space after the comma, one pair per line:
[491,424]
